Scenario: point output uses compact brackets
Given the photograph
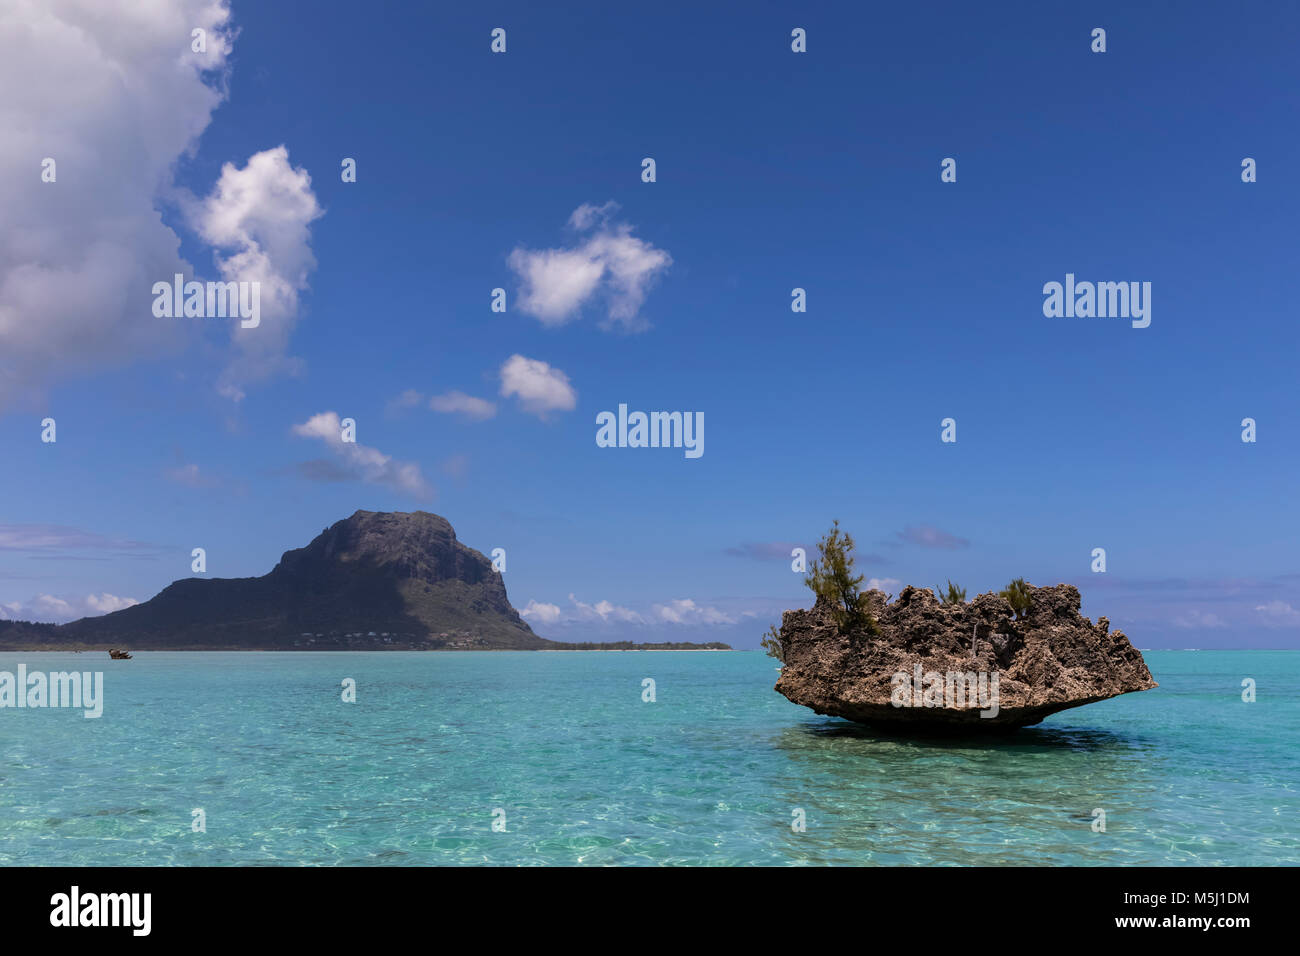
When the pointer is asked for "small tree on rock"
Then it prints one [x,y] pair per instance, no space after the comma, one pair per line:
[1017,594]
[954,594]
[772,643]
[831,578]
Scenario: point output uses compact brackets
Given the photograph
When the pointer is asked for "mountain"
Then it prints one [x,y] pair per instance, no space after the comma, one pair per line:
[374,580]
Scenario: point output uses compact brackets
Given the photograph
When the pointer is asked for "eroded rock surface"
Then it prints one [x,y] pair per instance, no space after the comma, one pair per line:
[1051,659]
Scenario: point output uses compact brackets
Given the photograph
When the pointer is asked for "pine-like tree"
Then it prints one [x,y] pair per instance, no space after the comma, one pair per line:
[1017,594]
[831,578]
[954,594]
[772,643]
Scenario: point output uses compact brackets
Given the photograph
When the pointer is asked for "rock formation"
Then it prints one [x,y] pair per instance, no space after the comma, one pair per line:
[936,667]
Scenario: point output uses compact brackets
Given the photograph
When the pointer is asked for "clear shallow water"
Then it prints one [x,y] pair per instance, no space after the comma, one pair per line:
[589,774]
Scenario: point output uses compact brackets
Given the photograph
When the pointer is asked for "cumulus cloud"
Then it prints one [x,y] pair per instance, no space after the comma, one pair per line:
[467,406]
[604,611]
[607,261]
[539,613]
[928,536]
[259,218]
[579,612]
[662,621]
[115,96]
[46,608]
[686,611]
[356,462]
[539,387]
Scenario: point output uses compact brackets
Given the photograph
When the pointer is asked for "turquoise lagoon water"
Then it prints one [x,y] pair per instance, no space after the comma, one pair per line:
[588,773]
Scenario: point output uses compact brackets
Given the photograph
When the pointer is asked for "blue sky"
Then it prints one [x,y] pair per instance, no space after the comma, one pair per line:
[775,170]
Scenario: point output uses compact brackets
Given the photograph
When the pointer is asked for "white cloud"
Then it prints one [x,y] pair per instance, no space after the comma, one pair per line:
[46,608]
[579,612]
[686,611]
[113,94]
[888,585]
[1279,614]
[458,403]
[540,613]
[260,218]
[556,283]
[539,387]
[604,611]
[679,612]
[360,462]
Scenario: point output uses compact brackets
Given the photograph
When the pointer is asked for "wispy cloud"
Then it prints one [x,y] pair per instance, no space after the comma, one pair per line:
[1195,619]
[358,462]
[456,466]
[51,540]
[1182,589]
[765,550]
[467,406]
[191,476]
[780,551]
[1278,614]
[408,399]
[928,536]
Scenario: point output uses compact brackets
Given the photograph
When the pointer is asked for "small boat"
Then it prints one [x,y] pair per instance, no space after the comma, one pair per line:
[119,654]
